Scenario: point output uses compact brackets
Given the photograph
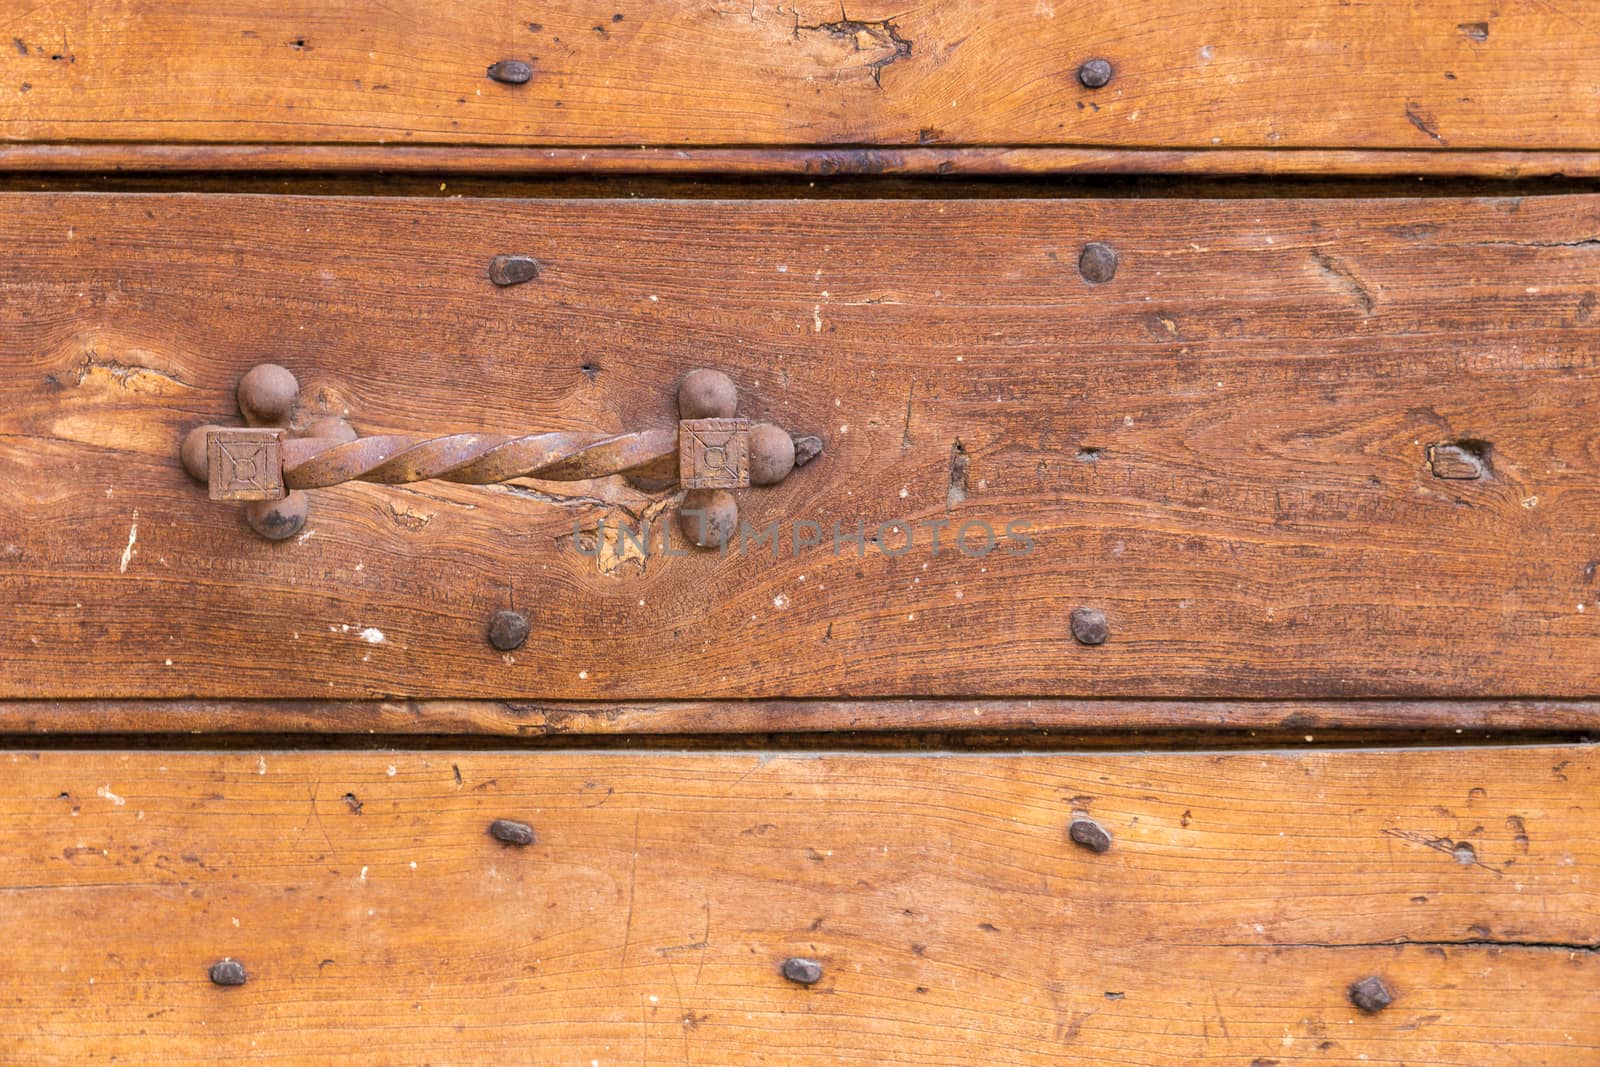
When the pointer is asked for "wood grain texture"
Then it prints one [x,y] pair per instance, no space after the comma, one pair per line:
[1224,448]
[1431,75]
[379,923]
[1042,720]
[831,162]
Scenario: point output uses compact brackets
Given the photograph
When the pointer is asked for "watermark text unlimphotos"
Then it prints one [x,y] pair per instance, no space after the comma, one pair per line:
[974,538]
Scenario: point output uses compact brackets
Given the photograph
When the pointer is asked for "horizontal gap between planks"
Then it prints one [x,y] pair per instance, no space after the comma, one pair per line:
[974,724]
[729,187]
[844,743]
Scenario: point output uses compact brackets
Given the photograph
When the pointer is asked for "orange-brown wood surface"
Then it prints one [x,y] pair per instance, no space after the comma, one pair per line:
[1433,74]
[954,920]
[1225,448]
[972,721]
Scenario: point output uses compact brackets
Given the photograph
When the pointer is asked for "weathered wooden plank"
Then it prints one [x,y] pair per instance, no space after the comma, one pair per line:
[1196,74]
[955,922]
[1042,720]
[824,162]
[1224,448]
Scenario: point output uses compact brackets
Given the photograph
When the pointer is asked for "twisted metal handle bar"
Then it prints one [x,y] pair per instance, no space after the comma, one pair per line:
[473,458]
[708,452]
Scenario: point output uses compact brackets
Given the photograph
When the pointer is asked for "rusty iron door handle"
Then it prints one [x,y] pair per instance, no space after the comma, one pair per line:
[710,451]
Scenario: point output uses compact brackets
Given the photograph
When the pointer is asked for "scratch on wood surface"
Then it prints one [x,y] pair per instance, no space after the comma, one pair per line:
[133,539]
[1462,852]
[1340,273]
[1423,122]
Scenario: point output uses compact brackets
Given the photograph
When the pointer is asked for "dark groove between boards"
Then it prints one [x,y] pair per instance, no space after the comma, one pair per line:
[886,742]
[330,183]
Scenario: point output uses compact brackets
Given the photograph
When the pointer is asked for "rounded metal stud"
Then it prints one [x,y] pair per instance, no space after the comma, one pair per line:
[1097,263]
[772,454]
[1089,626]
[267,395]
[510,270]
[1371,995]
[227,972]
[708,517]
[1095,73]
[511,832]
[1086,833]
[510,72]
[277,520]
[193,453]
[802,971]
[508,630]
[707,394]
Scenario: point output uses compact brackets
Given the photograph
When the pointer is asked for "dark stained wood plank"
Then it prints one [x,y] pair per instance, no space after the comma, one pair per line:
[1044,720]
[955,922]
[1224,448]
[1195,74]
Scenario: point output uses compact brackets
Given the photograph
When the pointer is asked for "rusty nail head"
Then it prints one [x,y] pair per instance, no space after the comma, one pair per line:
[1089,626]
[267,394]
[1097,263]
[227,972]
[1094,73]
[806,449]
[511,832]
[1088,833]
[507,630]
[1371,995]
[511,72]
[513,270]
[802,971]
[278,520]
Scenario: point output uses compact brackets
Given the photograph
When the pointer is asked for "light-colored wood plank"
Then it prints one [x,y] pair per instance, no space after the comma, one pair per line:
[1431,75]
[956,923]
[1225,448]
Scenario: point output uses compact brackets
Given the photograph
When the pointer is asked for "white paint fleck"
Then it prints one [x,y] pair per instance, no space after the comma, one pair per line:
[261,765]
[363,876]
[372,635]
[780,601]
[583,676]
[133,537]
[390,771]
[105,792]
[816,318]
